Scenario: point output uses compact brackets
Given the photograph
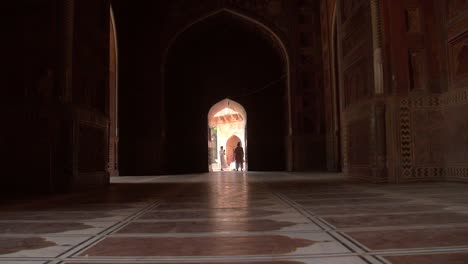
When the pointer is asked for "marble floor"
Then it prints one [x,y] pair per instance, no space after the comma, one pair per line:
[240,217]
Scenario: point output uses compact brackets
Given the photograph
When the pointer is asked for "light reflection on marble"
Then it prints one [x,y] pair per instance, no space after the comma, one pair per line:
[221,218]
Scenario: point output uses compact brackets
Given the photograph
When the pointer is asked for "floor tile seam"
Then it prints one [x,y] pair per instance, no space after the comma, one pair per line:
[201,204]
[421,252]
[275,206]
[344,198]
[316,192]
[305,213]
[213,258]
[353,247]
[368,204]
[221,206]
[294,195]
[48,235]
[121,224]
[371,259]
[53,221]
[378,214]
[339,205]
[356,246]
[356,243]
[397,198]
[217,208]
[208,235]
[224,219]
[426,250]
[221,210]
[26,258]
[401,227]
[296,217]
[216,234]
[397,228]
[382,260]
[79,207]
[79,211]
[343,230]
[293,205]
[95,239]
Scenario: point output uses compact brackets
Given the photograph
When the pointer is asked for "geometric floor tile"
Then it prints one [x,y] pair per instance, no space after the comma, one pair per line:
[311,243]
[451,258]
[414,238]
[239,218]
[36,246]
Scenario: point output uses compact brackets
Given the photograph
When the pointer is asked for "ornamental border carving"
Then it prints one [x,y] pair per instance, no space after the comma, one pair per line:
[409,104]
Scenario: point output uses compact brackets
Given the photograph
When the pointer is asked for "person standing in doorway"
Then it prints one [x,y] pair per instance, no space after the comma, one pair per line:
[222,158]
[239,155]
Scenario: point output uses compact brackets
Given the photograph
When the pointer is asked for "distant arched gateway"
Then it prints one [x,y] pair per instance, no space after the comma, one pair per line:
[274,107]
[227,122]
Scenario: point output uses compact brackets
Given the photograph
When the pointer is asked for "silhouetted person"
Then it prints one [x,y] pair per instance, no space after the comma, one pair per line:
[239,155]
[222,159]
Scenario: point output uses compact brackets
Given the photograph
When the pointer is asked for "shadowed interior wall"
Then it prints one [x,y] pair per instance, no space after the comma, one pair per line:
[222,57]
[54,96]
[145,30]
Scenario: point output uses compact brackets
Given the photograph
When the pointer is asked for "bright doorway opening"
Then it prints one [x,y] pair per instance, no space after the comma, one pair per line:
[227,124]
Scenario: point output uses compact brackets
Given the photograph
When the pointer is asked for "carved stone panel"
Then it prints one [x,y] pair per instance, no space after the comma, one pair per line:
[417,69]
[413,20]
[458,60]
[348,7]
[457,135]
[456,7]
[427,134]
[356,85]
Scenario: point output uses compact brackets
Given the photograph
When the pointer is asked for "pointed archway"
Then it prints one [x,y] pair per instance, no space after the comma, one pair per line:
[227,124]
[113,161]
[231,145]
[269,99]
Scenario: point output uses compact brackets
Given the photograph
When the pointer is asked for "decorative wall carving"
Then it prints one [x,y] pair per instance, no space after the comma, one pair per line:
[348,8]
[457,135]
[356,81]
[456,7]
[417,69]
[458,60]
[355,39]
[427,136]
[456,173]
[455,101]
[406,151]
[413,20]
[421,148]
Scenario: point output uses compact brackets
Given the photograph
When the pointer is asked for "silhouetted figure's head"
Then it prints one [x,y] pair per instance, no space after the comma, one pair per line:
[238,144]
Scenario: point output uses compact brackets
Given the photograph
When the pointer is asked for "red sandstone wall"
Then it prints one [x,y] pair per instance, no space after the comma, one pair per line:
[416,131]
[54,100]
[455,100]
[29,94]
[145,30]
[427,117]
[91,91]
[361,111]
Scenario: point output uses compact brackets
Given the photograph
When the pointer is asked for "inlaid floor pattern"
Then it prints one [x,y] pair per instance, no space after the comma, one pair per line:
[239,218]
